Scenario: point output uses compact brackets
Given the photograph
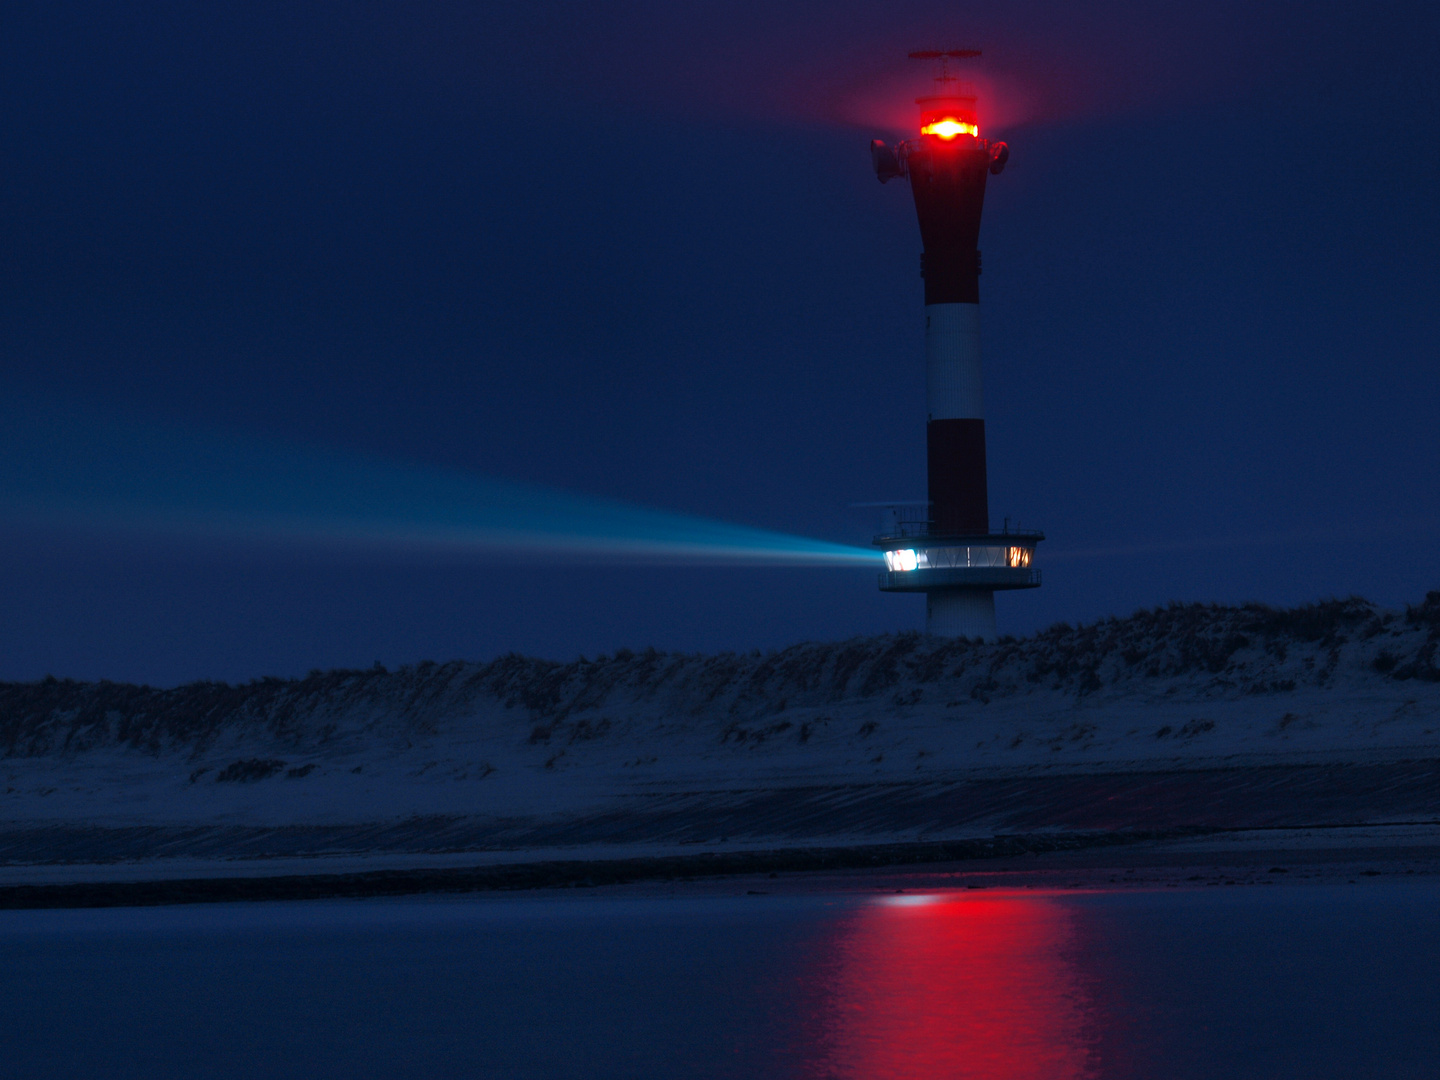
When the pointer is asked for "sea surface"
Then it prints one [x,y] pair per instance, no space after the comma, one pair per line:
[1289,981]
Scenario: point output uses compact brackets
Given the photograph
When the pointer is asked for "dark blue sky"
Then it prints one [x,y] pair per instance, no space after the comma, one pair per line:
[636,251]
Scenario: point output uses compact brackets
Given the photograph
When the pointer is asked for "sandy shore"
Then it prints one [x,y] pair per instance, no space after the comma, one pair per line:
[1132,859]
[1158,828]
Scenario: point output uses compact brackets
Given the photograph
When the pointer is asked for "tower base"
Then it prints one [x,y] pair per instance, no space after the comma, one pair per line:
[968,613]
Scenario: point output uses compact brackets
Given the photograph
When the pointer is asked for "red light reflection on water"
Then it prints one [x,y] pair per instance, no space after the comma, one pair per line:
[953,986]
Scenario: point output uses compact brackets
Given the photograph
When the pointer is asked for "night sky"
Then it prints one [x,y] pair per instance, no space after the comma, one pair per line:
[637,251]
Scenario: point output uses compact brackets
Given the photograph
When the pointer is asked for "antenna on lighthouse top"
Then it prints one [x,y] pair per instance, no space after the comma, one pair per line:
[944,56]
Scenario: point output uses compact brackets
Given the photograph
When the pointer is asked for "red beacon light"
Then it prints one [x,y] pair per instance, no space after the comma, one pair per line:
[951,112]
[948,125]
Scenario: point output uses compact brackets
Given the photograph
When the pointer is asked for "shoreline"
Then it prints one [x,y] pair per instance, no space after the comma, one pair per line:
[1131,858]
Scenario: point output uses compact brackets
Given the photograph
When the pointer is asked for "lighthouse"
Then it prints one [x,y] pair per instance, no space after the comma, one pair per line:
[946,549]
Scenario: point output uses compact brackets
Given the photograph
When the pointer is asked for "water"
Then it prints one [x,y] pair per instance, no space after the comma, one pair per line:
[1293,981]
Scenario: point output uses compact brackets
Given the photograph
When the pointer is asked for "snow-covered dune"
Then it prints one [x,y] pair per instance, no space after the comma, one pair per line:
[1185,686]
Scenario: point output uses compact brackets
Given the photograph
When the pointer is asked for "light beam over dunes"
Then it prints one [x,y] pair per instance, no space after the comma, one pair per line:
[70,467]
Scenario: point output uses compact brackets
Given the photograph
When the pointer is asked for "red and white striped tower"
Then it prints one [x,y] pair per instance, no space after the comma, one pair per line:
[951,555]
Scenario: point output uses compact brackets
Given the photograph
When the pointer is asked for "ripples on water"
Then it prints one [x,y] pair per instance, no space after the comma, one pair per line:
[1296,981]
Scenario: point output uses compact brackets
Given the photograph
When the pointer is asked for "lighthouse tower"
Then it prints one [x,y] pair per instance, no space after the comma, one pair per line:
[947,550]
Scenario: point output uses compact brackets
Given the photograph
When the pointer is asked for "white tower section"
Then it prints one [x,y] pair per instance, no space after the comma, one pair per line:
[961,613]
[954,381]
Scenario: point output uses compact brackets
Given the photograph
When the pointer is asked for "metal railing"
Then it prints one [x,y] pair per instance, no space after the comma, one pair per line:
[924,529]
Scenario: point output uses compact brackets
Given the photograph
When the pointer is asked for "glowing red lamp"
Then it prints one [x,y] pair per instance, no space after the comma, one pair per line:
[949,127]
